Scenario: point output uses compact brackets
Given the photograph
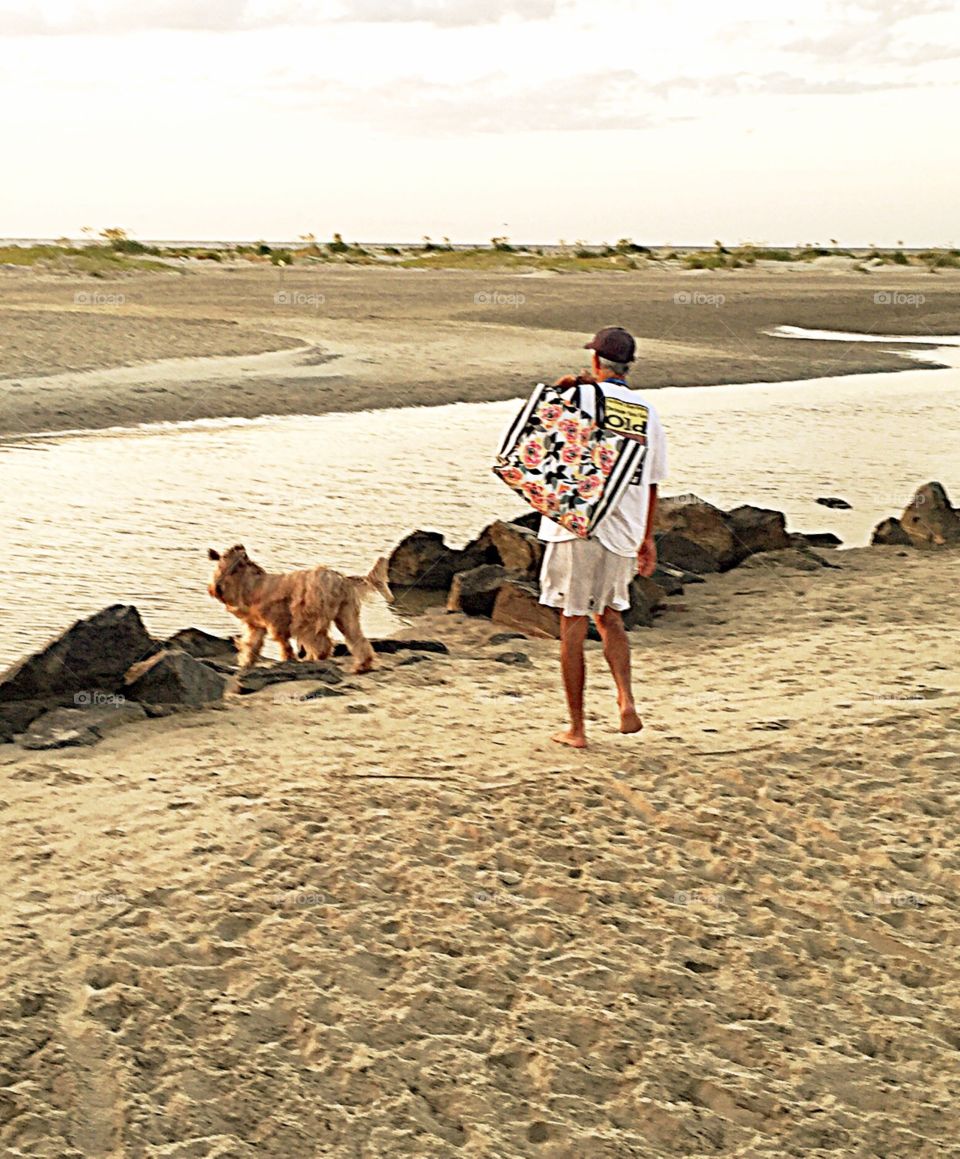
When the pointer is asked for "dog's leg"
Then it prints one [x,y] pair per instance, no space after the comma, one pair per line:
[348,621]
[251,646]
[324,643]
[316,644]
[286,651]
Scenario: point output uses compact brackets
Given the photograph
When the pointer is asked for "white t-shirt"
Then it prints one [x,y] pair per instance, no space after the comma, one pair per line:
[622,530]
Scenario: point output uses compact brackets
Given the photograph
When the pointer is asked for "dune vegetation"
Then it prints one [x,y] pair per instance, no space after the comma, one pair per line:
[113,251]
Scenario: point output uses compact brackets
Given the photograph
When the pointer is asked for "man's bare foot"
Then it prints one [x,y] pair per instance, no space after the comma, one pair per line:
[576,740]
[630,721]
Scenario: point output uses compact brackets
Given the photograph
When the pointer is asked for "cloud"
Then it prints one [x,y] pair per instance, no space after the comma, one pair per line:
[443,13]
[611,100]
[774,84]
[590,102]
[871,31]
[109,17]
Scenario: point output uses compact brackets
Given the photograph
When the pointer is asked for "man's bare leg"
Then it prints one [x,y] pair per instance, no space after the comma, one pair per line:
[616,649]
[573,632]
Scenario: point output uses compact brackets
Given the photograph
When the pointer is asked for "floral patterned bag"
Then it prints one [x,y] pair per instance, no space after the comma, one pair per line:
[559,458]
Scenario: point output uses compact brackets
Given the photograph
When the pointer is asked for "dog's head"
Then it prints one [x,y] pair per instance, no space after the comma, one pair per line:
[226,565]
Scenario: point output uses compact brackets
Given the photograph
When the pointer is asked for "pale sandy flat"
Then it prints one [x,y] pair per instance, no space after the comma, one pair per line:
[351,339]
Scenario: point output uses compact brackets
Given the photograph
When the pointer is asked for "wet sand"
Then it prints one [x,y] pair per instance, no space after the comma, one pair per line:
[401,922]
[352,339]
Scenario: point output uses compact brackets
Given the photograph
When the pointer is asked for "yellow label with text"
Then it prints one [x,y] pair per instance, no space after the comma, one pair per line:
[627,418]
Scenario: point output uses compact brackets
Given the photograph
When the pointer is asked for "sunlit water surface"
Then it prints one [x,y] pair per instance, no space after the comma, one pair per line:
[127,515]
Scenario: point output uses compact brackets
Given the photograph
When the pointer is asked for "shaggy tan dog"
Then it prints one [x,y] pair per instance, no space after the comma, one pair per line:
[298,604]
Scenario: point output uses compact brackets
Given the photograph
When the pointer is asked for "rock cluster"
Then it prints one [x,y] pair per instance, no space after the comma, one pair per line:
[928,520]
[107,670]
[496,574]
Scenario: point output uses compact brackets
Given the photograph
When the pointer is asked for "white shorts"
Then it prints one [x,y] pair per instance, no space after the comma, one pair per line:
[583,578]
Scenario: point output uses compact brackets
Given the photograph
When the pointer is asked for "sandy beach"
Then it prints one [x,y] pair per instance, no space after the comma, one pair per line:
[401,922]
[349,339]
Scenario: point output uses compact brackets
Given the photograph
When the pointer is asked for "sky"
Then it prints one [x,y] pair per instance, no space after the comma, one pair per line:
[541,120]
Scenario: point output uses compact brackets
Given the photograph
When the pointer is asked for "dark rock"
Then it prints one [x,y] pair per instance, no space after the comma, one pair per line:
[423,560]
[790,559]
[815,539]
[256,678]
[174,678]
[391,647]
[58,729]
[518,548]
[505,637]
[758,529]
[834,503]
[93,653]
[891,533]
[474,592]
[322,693]
[670,579]
[520,659]
[6,733]
[218,664]
[930,520]
[478,552]
[416,658]
[704,524]
[645,596]
[531,520]
[73,727]
[667,576]
[518,606]
[680,552]
[199,644]
[17,715]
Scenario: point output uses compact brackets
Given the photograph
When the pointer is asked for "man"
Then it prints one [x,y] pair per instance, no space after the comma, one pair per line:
[591,577]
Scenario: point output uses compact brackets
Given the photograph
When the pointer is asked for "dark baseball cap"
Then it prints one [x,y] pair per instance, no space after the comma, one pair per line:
[613,342]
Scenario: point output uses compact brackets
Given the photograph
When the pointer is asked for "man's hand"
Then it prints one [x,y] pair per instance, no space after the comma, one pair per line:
[647,557]
[569,380]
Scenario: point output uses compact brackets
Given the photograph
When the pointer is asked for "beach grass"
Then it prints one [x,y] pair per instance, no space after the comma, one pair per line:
[125,254]
[95,260]
[519,260]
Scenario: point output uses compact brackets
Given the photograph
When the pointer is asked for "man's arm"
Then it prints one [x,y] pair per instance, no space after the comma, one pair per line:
[647,554]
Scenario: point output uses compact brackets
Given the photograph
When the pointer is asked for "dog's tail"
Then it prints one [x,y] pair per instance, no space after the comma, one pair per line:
[376,580]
